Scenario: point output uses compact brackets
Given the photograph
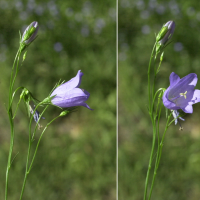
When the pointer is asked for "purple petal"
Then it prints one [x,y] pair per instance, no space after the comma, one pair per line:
[188,109]
[196,96]
[167,103]
[175,114]
[181,85]
[174,79]
[194,81]
[75,97]
[86,105]
[195,99]
[182,101]
[69,85]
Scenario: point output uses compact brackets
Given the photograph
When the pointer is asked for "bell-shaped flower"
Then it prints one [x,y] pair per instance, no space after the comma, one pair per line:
[181,93]
[69,94]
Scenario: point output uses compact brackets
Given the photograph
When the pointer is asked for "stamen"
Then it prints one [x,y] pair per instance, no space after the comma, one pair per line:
[183,94]
[181,128]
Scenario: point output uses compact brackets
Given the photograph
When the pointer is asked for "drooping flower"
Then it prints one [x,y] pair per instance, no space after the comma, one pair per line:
[69,94]
[181,93]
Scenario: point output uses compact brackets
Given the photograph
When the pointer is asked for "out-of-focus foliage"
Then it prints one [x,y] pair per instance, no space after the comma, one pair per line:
[179,170]
[76,158]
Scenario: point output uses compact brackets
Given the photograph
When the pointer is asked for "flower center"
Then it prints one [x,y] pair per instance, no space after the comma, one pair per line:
[174,99]
[183,94]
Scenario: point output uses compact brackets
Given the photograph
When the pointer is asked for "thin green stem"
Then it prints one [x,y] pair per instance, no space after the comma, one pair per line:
[18,101]
[29,148]
[28,167]
[158,135]
[10,115]
[150,159]
[161,144]
[154,81]
[39,141]
[149,87]
[11,78]
[152,120]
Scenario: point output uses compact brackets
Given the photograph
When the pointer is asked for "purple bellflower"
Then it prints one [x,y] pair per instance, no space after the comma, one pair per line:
[181,94]
[69,95]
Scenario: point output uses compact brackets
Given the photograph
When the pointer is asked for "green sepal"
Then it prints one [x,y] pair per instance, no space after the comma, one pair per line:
[65,112]
[162,33]
[24,56]
[27,97]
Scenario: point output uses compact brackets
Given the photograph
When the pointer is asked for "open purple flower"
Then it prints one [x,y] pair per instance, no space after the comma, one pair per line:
[69,95]
[181,93]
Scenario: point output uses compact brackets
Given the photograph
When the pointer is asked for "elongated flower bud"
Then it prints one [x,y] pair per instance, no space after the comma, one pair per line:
[166,32]
[29,34]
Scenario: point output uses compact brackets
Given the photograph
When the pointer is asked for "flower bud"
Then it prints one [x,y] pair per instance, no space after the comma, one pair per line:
[166,32]
[63,113]
[29,35]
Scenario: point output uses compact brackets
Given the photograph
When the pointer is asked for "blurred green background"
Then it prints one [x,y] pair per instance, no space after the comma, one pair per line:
[77,155]
[178,176]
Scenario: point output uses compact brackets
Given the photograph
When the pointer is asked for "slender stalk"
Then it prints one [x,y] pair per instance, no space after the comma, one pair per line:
[11,78]
[152,120]
[158,135]
[150,159]
[159,155]
[155,75]
[28,167]
[39,142]
[29,147]
[10,115]
[149,69]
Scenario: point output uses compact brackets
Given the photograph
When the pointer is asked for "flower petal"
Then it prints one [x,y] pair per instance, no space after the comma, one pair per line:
[184,100]
[194,99]
[196,96]
[69,85]
[188,109]
[173,79]
[167,103]
[194,81]
[182,84]
[75,97]
[175,114]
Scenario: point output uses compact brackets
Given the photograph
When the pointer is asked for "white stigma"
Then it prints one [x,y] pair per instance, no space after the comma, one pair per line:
[183,94]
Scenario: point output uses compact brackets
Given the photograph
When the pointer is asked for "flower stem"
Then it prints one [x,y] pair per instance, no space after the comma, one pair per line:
[29,147]
[159,152]
[149,69]
[150,159]
[158,135]
[28,167]
[10,115]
